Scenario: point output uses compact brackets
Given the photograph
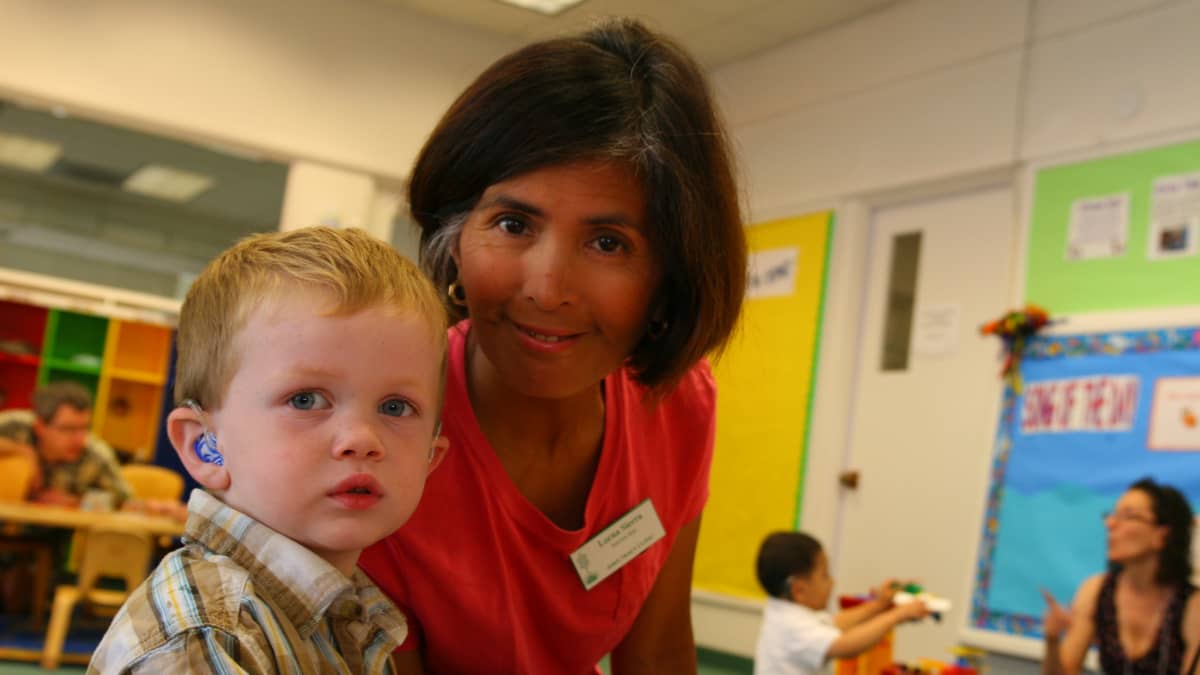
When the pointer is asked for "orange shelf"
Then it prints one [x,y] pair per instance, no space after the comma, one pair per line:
[140,377]
[141,347]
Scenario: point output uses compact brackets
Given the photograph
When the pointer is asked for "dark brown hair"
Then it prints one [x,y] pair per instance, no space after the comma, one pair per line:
[1172,511]
[48,398]
[617,92]
[784,555]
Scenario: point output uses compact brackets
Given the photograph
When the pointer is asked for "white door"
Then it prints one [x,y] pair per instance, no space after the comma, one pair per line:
[921,436]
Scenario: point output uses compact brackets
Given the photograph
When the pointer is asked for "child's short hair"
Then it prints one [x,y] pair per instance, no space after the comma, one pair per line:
[357,270]
[783,555]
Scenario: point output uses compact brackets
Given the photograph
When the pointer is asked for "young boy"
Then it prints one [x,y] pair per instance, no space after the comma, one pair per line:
[798,635]
[310,373]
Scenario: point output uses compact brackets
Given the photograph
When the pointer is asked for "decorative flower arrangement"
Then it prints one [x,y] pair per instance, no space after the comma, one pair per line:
[1014,329]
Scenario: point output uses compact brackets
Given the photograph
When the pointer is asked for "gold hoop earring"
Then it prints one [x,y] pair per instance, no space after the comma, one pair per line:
[458,294]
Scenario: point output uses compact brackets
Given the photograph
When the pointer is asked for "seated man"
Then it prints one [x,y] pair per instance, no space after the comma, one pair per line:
[70,461]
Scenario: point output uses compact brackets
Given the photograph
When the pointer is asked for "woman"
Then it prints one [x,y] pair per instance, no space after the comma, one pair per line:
[1143,613]
[578,204]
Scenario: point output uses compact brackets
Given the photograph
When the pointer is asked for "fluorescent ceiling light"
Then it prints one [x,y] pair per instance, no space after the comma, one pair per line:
[28,153]
[547,7]
[155,180]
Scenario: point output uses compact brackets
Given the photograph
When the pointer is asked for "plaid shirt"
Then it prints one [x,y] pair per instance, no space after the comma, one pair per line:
[240,597]
[96,468]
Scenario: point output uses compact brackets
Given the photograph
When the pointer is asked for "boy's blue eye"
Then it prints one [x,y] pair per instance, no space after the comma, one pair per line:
[396,407]
[308,400]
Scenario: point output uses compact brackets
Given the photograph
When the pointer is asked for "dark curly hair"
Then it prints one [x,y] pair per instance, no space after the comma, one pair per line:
[1172,511]
[783,555]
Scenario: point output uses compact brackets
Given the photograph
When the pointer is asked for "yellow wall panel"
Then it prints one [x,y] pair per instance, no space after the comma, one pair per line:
[764,382]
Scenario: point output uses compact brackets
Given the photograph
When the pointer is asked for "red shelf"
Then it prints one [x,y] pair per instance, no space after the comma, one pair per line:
[20,359]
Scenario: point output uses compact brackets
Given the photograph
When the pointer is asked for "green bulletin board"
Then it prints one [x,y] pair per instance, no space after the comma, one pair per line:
[1158,264]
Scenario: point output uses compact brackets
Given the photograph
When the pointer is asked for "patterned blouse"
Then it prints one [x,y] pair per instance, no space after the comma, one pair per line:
[1165,656]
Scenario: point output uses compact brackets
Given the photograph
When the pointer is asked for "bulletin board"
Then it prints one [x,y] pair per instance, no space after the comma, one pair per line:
[764,397]
[1095,413]
[1116,233]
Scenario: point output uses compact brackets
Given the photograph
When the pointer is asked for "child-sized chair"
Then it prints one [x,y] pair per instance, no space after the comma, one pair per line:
[107,553]
[153,482]
[15,473]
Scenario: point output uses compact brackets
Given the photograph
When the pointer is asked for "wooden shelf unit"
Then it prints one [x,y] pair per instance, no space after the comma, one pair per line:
[124,363]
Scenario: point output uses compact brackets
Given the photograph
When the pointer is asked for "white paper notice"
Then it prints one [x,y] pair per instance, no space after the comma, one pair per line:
[1174,217]
[1175,414]
[1099,227]
[773,272]
[936,329]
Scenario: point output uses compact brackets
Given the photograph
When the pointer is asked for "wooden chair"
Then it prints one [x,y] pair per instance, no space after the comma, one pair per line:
[15,474]
[153,482]
[107,553]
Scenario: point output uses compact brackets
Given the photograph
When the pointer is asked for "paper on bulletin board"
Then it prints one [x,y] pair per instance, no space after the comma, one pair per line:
[1174,217]
[764,385]
[1099,227]
[1175,415]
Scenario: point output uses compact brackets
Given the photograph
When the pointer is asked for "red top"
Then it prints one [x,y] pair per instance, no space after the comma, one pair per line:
[485,577]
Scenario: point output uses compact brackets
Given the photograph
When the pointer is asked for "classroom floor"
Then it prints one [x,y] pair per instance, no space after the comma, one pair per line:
[711,663]
[708,662]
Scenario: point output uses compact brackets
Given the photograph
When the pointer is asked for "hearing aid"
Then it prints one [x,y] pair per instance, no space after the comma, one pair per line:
[205,445]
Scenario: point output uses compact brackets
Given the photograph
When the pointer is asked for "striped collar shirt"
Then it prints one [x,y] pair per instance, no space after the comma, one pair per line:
[240,597]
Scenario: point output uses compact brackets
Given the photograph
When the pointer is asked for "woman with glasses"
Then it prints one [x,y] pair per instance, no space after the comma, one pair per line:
[1142,613]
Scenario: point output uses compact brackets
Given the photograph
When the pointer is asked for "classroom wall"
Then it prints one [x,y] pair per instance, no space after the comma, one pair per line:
[926,96]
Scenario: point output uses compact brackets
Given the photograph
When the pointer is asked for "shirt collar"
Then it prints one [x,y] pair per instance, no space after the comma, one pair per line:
[301,583]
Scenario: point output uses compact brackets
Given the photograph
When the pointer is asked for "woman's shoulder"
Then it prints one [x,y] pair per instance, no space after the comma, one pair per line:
[696,389]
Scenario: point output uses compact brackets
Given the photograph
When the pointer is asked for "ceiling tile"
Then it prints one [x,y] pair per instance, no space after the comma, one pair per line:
[788,19]
[723,43]
[486,14]
[724,9]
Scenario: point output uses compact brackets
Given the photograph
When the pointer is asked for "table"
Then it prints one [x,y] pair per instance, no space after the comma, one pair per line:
[27,513]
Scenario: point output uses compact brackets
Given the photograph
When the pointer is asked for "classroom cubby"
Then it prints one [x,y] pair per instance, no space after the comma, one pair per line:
[22,330]
[123,363]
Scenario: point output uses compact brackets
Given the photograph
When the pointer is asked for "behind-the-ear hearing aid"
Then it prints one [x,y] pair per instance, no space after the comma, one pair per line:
[205,445]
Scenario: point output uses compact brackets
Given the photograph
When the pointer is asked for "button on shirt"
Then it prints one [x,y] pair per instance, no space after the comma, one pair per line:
[793,639]
[240,597]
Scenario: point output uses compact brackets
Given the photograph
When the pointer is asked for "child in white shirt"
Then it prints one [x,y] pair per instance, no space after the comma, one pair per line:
[798,634]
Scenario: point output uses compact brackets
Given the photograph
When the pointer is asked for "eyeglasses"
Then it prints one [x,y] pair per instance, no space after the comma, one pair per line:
[1125,516]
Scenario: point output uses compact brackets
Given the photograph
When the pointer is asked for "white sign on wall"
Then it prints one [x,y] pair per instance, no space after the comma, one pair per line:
[773,272]
[936,330]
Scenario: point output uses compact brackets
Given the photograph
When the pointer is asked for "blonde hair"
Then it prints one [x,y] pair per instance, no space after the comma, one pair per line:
[356,270]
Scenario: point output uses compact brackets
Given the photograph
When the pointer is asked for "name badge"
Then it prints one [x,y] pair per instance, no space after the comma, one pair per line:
[617,544]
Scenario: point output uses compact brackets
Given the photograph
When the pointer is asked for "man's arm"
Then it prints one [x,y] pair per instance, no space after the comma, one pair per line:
[11,448]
